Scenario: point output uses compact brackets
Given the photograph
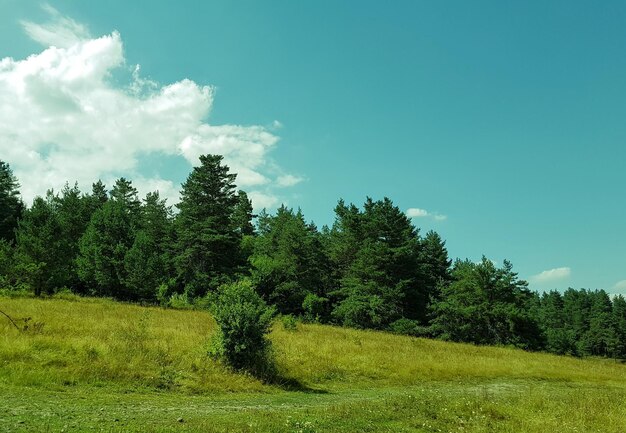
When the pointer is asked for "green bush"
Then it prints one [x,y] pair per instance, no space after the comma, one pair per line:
[315,308]
[243,320]
[410,327]
[290,323]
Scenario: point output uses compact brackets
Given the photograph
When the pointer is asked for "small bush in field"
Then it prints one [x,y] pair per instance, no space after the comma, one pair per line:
[243,319]
[315,307]
[289,322]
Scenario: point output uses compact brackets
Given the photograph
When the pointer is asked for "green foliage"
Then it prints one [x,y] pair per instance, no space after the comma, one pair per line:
[243,321]
[371,270]
[410,327]
[148,262]
[315,308]
[38,246]
[11,205]
[377,255]
[208,240]
[290,323]
[486,305]
[103,249]
[243,215]
[288,262]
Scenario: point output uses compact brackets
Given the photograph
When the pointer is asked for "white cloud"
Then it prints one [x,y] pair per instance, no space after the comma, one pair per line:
[288,180]
[421,213]
[620,286]
[552,275]
[60,31]
[262,200]
[62,119]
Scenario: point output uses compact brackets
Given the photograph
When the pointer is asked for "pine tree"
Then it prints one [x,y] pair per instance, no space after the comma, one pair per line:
[377,254]
[97,198]
[559,339]
[208,240]
[619,320]
[106,241]
[486,305]
[38,241]
[288,262]
[73,212]
[600,339]
[243,215]
[11,206]
[148,262]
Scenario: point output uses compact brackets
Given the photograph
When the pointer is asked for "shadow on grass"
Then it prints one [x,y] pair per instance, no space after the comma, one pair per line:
[294,385]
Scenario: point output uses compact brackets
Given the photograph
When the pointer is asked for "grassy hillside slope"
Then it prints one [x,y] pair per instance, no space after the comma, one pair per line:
[98,365]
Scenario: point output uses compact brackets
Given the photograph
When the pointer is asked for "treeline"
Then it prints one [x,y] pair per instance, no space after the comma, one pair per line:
[372,269]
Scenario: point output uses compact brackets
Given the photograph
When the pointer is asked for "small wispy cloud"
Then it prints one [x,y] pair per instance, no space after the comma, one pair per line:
[552,275]
[59,31]
[422,213]
[620,286]
[288,180]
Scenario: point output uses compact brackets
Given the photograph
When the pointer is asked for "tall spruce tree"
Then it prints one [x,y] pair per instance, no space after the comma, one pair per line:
[73,212]
[148,263]
[38,257]
[106,241]
[208,239]
[11,205]
[243,214]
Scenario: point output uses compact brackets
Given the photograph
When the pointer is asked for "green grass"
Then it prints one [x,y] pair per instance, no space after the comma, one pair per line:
[97,365]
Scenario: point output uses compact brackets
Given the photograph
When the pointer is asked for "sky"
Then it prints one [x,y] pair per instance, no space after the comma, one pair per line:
[500,125]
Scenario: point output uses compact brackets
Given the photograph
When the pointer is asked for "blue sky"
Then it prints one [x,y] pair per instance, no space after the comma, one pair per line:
[500,124]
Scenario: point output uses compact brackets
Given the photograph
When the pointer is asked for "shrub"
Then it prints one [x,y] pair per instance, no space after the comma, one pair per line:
[315,307]
[244,321]
[410,327]
[289,322]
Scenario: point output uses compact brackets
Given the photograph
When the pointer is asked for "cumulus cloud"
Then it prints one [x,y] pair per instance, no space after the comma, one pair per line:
[421,213]
[551,275]
[62,119]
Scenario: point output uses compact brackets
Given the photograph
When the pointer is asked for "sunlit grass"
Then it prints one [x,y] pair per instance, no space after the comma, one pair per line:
[79,357]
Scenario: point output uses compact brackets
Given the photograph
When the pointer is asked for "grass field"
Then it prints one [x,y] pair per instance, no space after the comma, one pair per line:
[97,365]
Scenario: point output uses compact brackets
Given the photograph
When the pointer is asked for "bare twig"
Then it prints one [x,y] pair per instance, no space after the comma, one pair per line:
[11,320]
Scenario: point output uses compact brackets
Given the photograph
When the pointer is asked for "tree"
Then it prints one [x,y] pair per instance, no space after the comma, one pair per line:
[11,206]
[601,338]
[73,212]
[38,246]
[434,265]
[377,254]
[97,198]
[243,215]
[148,261]
[288,262]
[486,305]
[559,339]
[106,241]
[619,321]
[243,321]
[125,193]
[576,312]
[208,240]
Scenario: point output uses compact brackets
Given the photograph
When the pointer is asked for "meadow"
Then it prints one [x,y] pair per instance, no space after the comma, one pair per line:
[87,364]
